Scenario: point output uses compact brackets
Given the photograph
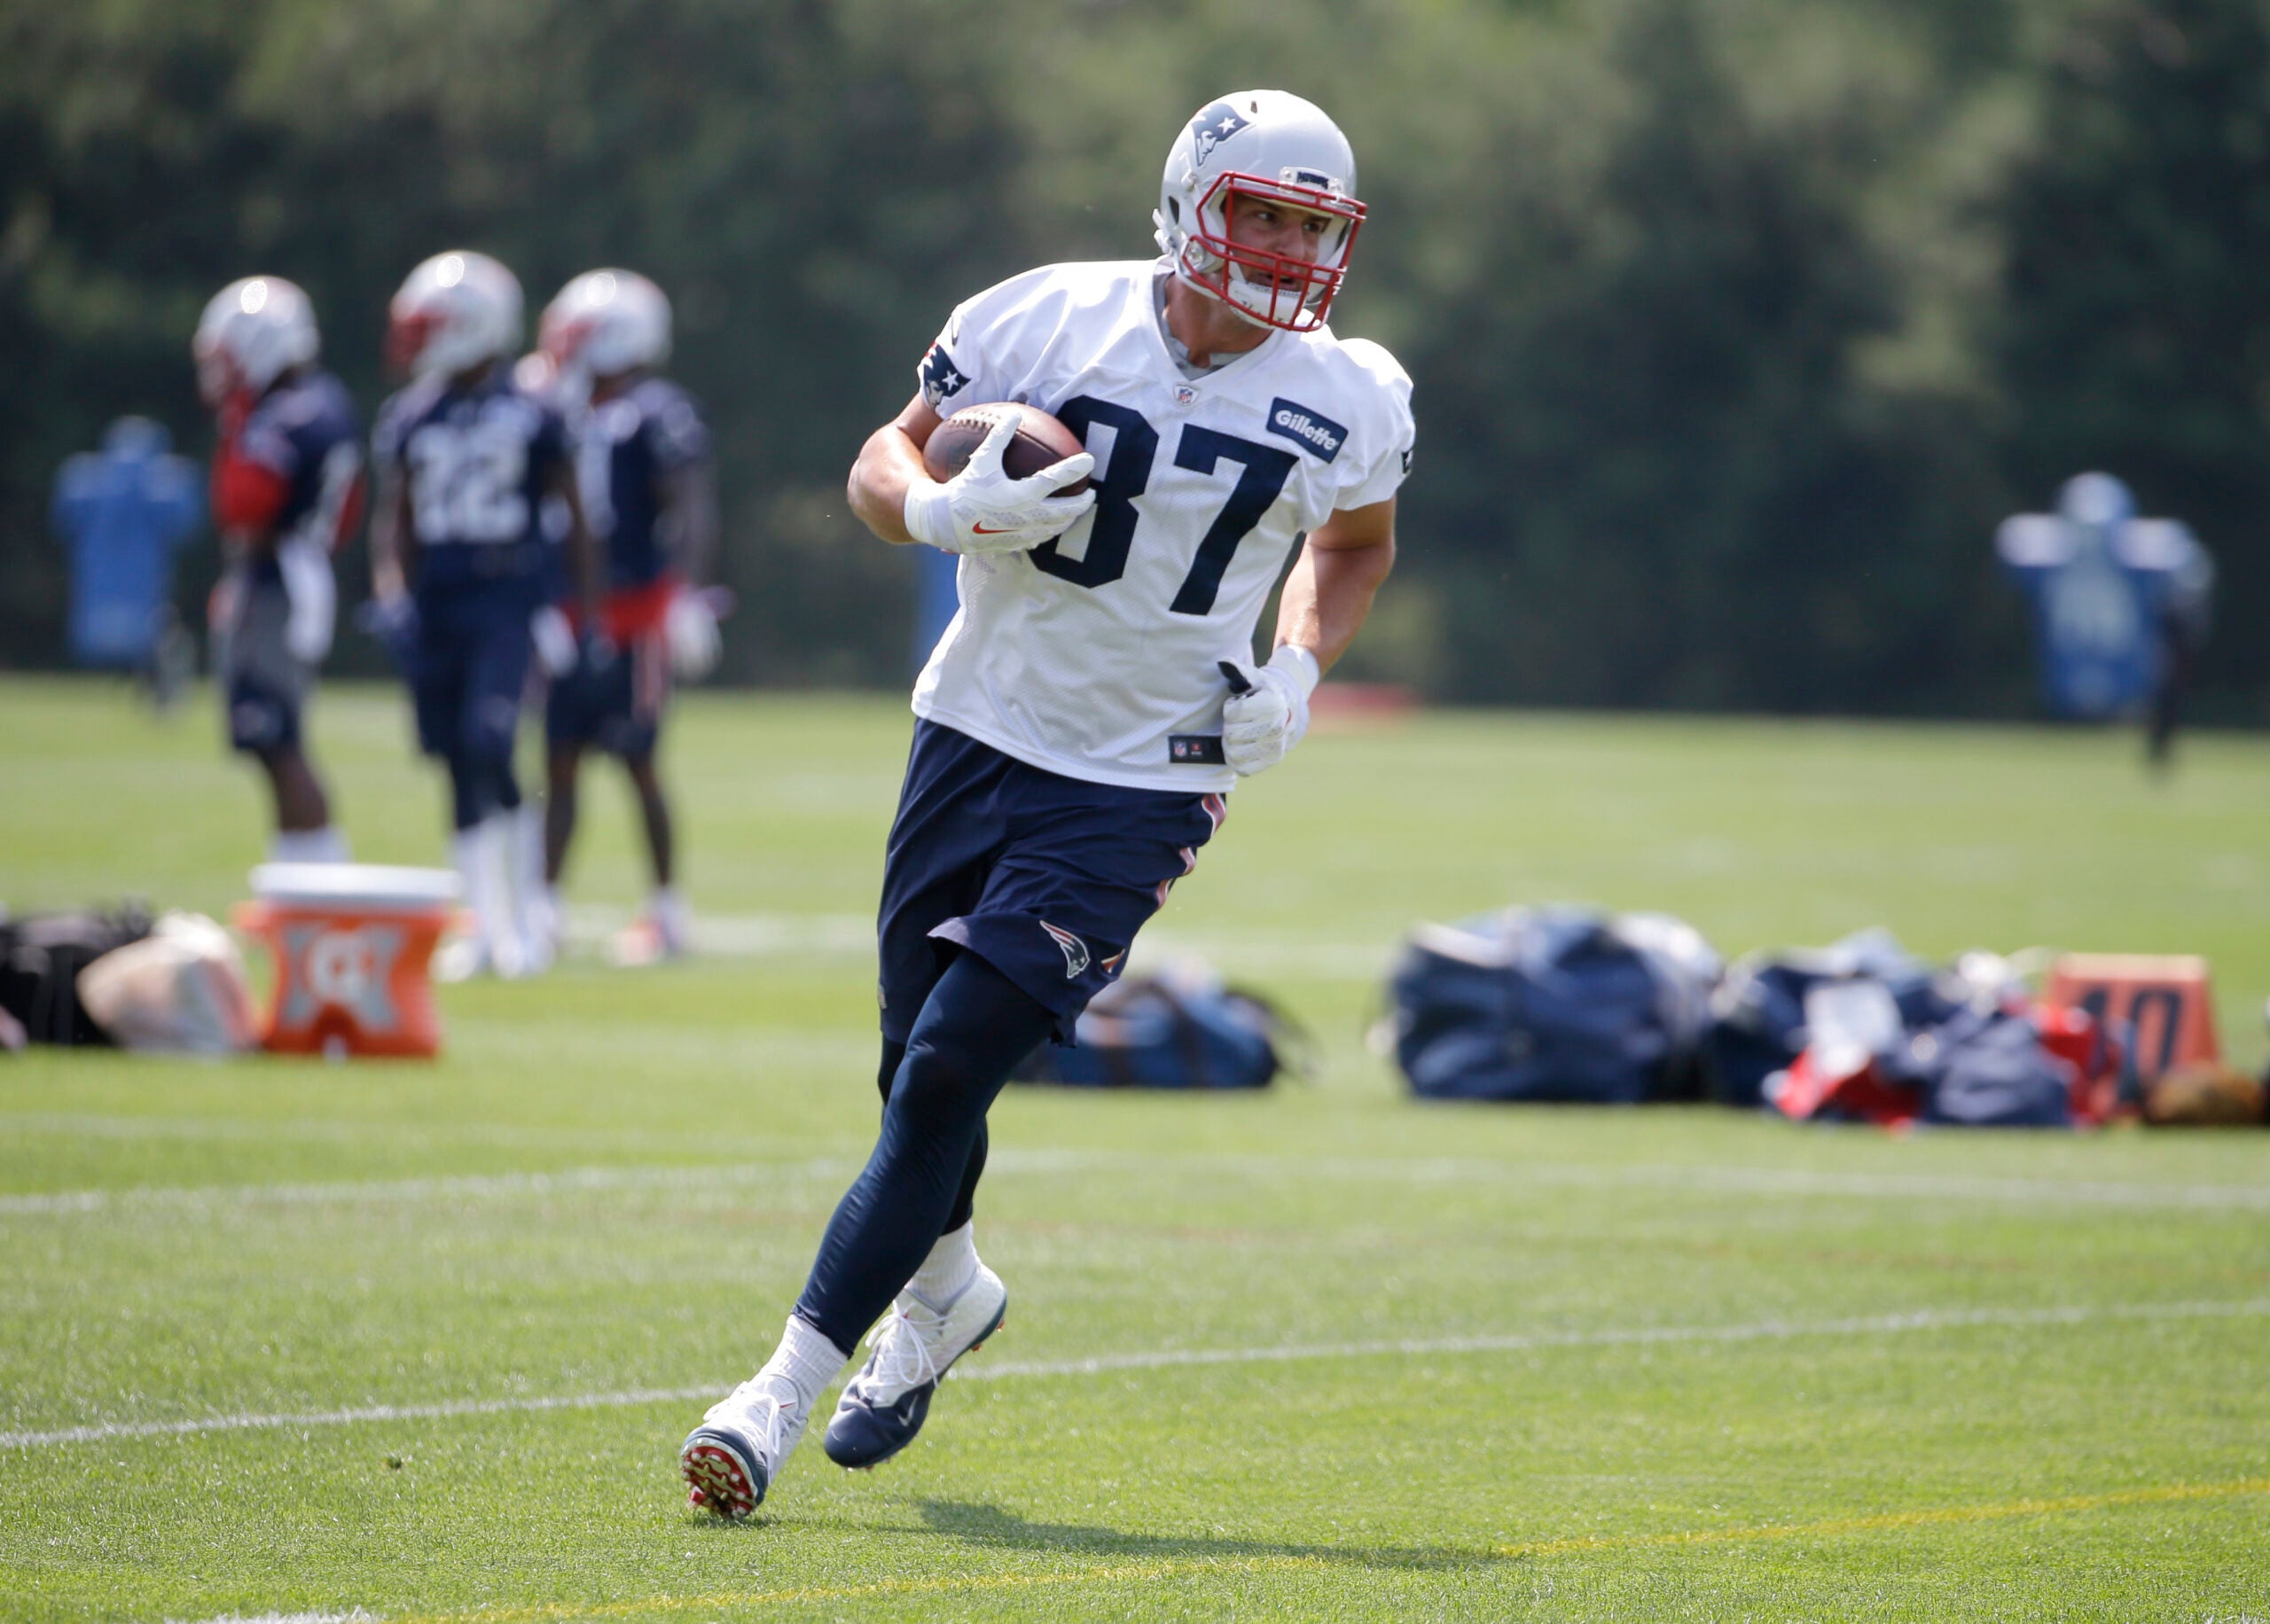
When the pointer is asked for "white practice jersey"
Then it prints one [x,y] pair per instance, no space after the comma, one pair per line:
[1096,656]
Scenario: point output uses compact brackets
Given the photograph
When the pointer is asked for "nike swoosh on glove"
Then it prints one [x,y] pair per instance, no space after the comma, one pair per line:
[1260,725]
[981,510]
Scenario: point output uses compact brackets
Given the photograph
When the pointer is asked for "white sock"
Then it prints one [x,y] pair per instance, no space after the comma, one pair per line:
[324,845]
[669,910]
[805,1361]
[948,1270]
[530,895]
[481,864]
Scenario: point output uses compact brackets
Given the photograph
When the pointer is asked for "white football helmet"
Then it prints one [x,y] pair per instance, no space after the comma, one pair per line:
[455,311]
[252,331]
[1268,144]
[605,322]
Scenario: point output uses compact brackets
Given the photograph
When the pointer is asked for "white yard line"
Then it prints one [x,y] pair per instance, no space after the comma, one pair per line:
[1737,1180]
[1764,1181]
[767,935]
[353,1616]
[473,1186]
[1871,1325]
[1877,1324]
[350,1130]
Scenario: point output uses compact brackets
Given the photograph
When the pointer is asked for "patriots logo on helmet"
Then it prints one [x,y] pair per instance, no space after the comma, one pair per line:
[1075,951]
[940,378]
[1211,128]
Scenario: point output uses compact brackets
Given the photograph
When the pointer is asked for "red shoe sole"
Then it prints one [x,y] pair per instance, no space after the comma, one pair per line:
[716,1481]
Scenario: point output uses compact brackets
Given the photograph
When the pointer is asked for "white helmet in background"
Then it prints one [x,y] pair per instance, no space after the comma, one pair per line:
[606,323]
[1268,144]
[455,311]
[252,331]
[2097,500]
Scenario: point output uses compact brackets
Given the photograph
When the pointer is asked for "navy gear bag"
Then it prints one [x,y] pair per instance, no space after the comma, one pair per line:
[1151,1032]
[1553,1004]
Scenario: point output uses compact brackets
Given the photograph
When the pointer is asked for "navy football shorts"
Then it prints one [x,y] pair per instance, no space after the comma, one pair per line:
[617,708]
[469,673]
[1046,878]
[263,682]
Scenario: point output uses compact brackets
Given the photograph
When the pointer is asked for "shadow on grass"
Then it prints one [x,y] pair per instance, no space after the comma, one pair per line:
[990,1524]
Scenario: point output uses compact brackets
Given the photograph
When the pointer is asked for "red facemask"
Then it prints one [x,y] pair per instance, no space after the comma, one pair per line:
[407,336]
[1303,289]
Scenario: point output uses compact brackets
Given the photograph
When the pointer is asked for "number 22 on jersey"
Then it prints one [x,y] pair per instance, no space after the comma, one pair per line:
[467,480]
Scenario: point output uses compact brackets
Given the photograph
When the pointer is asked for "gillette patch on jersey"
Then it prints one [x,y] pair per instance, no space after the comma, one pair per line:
[1196,749]
[1311,431]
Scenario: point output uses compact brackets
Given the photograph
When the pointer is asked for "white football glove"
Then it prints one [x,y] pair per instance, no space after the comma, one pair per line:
[555,640]
[690,628]
[313,595]
[981,510]
[1267,712]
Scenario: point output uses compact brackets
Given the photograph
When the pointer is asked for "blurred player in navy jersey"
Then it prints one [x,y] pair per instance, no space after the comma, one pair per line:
[467,461]
[1089,707]
[287,490]
[650,493]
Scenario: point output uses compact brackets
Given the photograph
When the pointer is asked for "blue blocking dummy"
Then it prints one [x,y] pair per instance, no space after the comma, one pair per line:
[122,512]
[2109,592]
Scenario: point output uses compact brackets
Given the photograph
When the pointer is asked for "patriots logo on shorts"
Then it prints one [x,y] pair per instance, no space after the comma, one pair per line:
[1075,951]
[1210,129]
[940,378]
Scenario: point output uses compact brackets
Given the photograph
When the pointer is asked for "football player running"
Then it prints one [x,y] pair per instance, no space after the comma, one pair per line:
[466,462]
[650,493]
[1082,716]
[286,492]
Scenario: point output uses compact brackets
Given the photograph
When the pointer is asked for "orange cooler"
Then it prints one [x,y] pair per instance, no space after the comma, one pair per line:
[351,943]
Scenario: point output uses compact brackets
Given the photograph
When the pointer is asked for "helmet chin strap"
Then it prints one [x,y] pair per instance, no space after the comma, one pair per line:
[1182,274]
[1220,298]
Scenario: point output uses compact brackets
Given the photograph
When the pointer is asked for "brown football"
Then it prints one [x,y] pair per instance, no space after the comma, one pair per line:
[1040,440]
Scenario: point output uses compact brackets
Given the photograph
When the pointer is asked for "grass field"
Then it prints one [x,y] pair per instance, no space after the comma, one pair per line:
[420,1341]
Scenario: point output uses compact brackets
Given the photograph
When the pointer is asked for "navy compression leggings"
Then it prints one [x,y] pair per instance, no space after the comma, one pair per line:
[919,1182]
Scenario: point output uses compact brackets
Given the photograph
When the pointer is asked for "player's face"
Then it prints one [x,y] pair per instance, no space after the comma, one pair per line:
[1276,227]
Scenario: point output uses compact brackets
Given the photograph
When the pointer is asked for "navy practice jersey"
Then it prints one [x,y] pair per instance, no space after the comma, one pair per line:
[625,446]
[476,462]
[306,434]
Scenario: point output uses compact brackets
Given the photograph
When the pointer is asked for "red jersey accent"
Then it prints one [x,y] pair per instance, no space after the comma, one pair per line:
[247,495]
[630,613]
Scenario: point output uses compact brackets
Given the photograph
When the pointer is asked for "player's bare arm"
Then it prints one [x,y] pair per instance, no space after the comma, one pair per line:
[1328,595]
[394,539]
[887,466]
[582,550]
[688,518]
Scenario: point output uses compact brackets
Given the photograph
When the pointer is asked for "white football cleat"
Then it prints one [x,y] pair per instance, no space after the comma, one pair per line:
[884,1406]
[738,1451]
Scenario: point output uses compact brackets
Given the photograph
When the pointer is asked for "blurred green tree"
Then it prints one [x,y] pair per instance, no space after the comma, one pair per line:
[2133,330]
[1737,325]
